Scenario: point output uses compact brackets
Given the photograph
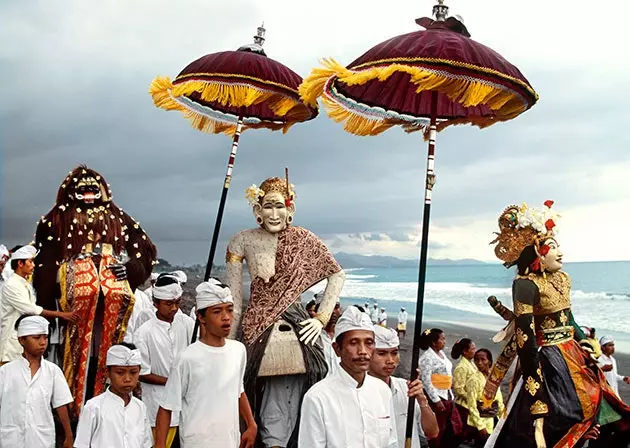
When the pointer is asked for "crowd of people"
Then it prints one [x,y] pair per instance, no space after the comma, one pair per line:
[165,391]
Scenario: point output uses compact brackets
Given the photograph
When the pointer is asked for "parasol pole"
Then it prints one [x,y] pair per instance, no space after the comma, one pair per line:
[217,224]
[422,271]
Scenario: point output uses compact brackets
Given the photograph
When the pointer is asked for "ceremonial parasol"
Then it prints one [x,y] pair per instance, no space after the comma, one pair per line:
[230,91]
[423,81]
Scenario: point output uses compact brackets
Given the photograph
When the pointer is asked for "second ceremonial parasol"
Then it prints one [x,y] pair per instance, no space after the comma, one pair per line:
[230,91]
[425,80]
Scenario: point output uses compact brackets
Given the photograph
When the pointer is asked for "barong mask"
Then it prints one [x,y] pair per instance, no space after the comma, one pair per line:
[523,227]
[273,204]
[86,186]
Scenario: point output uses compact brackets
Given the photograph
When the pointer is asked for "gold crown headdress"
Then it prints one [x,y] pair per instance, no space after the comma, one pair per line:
[255,194]
[523,226]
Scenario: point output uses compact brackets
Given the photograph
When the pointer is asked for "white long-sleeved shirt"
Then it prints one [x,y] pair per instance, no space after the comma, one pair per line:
[374,315]
[332,360]
[402,317]
[142,303]
[399,394]
[431,363]
[338,414]
[159,343]
[26,403]
[382,319]
[18,297]
[105,422]
[612,376]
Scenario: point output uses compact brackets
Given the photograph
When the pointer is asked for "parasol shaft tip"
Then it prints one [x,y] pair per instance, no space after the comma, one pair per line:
[440,11]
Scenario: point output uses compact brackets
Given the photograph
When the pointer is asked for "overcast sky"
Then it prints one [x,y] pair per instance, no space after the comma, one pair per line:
[74,78]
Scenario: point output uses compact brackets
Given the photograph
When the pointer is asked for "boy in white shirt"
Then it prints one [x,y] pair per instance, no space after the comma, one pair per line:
[116,418]
[384,362]
[29,387]
[205,384]
[160,340]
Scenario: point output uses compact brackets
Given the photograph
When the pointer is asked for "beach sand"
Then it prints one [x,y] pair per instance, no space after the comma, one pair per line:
[483,339]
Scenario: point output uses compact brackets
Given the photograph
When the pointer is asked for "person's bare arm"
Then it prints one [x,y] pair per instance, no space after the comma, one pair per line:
[428,421]
[64,418]
[162,424]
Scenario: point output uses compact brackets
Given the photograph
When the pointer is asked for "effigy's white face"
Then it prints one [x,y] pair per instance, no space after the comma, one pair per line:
[552,260]
[273,212]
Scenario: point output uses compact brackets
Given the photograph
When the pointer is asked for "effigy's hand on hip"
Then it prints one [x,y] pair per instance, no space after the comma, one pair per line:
[311,331]
[119,271]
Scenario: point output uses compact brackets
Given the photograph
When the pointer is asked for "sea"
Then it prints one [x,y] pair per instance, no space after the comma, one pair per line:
[456,294]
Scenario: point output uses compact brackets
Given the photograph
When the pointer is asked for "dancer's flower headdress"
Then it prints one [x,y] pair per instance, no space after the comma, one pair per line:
[523,226]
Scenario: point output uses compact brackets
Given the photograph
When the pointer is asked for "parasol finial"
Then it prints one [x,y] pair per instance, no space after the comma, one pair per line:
[440,11]
[259,40]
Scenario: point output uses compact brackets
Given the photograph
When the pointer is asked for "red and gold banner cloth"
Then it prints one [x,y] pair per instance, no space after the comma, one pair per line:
[81,283]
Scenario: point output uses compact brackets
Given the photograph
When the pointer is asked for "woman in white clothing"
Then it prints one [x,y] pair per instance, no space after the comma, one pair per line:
[436,374]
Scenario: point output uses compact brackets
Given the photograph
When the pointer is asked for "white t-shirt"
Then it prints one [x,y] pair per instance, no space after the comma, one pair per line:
[159,343]
[338,414]
[26,403]
[205,385]
[143,302]
[105,422]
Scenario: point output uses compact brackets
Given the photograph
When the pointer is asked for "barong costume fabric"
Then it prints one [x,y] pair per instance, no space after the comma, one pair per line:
[302,260]
[77,241]
[560,381]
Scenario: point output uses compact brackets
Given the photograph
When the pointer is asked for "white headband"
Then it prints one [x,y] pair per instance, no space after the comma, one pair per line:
[606,340]
[25,253]
[211,293]
[353,319]
[119,355]
[172,291]
[385,337]
[32,325]
[180,276]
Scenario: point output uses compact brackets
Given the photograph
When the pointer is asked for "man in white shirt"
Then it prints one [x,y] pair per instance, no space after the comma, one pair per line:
[349,409]
[385,360]
[30,387]
[160,340]
[18,298]
[205,384]
[374,314]
[328,332]
[401,326]
[608,364]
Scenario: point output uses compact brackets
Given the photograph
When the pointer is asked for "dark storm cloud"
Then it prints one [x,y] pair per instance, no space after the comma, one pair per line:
[74,90]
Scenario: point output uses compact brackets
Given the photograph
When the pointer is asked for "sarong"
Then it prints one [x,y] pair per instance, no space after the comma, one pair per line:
[81,284]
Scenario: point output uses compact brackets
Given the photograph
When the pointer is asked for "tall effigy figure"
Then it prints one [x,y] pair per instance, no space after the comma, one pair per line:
[561,394]
[285,357]
[92,255]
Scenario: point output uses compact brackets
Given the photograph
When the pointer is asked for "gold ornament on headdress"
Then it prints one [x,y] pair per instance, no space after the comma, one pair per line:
[256,194]
[523,226]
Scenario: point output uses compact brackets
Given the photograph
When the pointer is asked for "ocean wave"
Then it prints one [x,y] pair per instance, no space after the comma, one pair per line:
[359,276]
[590,308]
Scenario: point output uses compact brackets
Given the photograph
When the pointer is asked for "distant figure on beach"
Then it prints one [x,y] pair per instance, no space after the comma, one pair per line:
[608,364]
[436,373]
[284,354]
[384,362]
[374,313]
[401,326]
[465,349]
[382,318]
[561,398]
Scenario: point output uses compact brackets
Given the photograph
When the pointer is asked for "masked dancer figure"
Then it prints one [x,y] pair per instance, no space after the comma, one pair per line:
[560,396]
[285,357]
[92,255]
